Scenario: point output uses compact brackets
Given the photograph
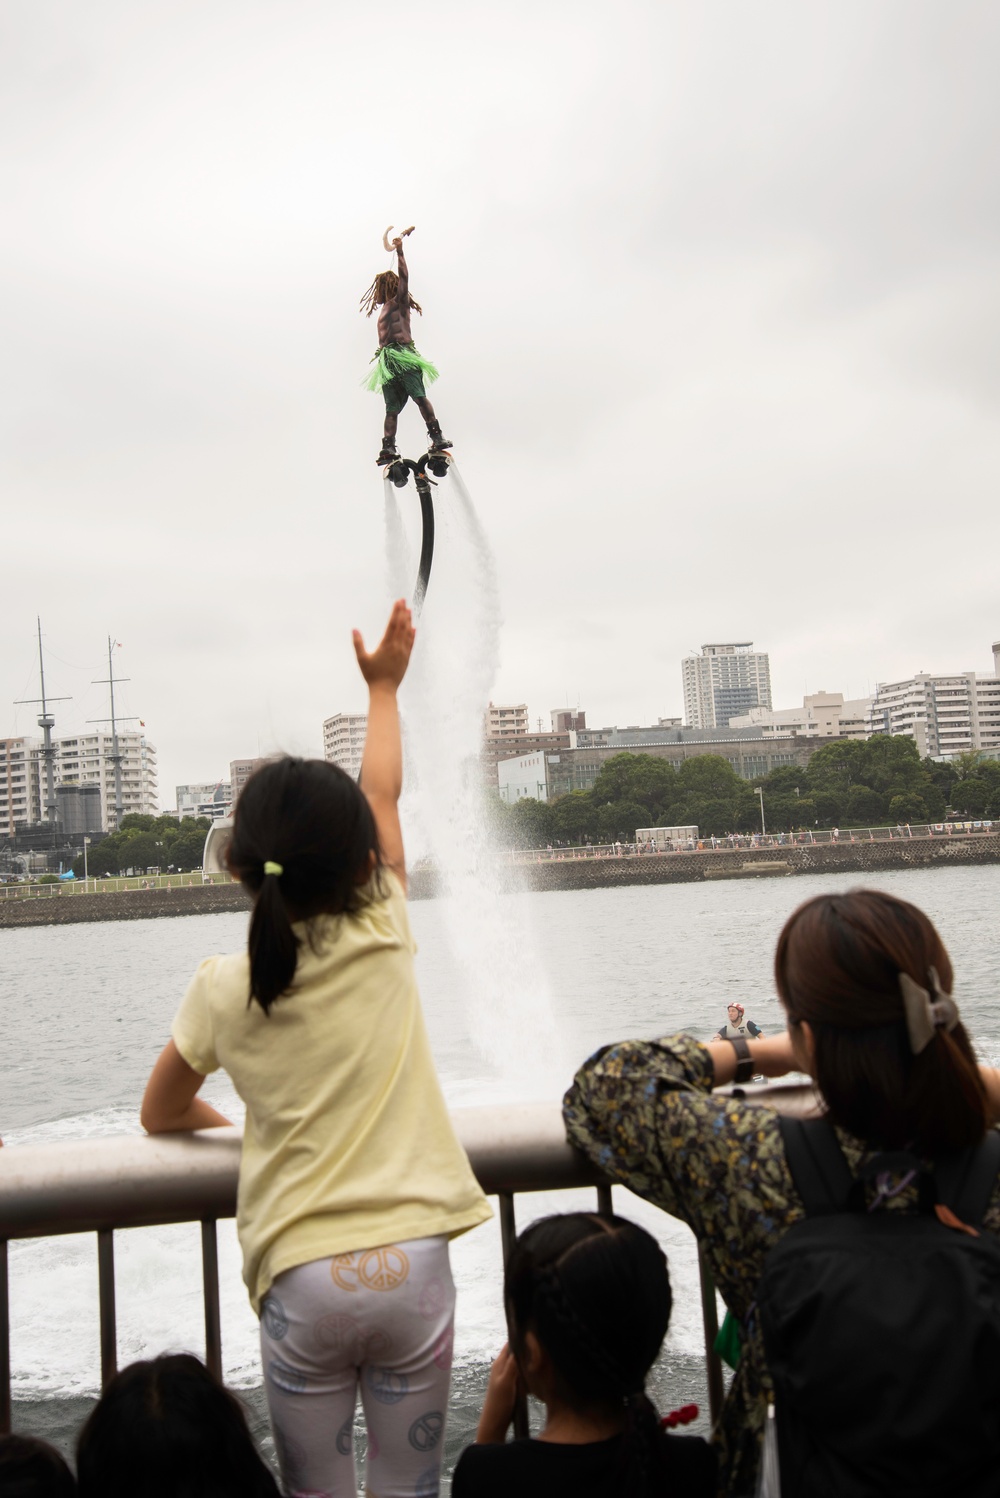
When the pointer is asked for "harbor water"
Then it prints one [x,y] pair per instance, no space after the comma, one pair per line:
[85,1010]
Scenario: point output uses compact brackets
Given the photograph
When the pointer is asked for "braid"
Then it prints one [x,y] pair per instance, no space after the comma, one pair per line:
[576,1334]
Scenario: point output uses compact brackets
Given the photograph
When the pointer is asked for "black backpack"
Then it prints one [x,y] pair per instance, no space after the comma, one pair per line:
[882,1329]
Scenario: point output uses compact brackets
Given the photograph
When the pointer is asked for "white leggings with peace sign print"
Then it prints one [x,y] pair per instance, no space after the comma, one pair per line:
[378,1321]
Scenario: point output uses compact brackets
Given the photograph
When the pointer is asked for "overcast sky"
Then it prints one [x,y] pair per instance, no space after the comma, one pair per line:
[713,288]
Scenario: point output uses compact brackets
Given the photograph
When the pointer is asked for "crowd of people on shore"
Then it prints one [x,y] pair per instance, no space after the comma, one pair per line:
[856,1252]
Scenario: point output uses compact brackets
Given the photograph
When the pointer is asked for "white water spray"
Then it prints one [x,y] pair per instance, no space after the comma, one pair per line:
[445,809]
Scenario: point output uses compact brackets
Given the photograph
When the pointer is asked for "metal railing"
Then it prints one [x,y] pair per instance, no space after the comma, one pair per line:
[743,841]
[110,885]
[100,1185]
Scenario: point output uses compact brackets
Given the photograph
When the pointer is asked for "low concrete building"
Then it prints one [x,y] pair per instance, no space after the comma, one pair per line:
[823,715]
[523,778]
[575,768]
[207,798]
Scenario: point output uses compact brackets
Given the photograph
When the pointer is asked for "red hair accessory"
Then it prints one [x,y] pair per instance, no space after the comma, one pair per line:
[683,1416]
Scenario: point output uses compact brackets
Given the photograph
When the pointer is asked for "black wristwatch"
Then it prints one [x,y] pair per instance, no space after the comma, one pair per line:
[744,1063]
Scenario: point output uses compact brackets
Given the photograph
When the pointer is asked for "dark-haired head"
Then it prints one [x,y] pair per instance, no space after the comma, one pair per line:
[30,1468]
[312,822]
[595,1294]
[837,968]
[168,1429]
[382,290]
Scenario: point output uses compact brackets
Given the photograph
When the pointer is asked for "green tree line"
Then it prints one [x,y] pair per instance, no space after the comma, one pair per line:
[144,842]
[847,783]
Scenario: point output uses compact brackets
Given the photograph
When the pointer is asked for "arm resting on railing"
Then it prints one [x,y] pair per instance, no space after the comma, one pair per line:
[171,1103]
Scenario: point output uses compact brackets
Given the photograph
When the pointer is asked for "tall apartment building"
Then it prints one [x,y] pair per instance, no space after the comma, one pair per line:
[240,771]
[724,682]
[506,722]
[944,715]
[210,798]
[344,741]
[84,760]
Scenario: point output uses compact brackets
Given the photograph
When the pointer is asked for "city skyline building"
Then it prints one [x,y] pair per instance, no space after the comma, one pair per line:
[945,715]
[822,715]
[208,798]
[344,741]
[240,771]
[723,682]
[86,760]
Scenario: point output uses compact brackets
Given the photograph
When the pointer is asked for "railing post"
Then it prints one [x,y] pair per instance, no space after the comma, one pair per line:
[4,1342]
[508,1232]
[210,1276]
[106,1297]
[605,1207]
[710,1316]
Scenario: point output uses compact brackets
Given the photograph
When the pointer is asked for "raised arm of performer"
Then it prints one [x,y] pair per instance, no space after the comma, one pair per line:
[402,271]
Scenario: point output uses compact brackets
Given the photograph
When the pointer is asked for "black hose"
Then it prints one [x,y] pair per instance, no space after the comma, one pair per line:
[426,543]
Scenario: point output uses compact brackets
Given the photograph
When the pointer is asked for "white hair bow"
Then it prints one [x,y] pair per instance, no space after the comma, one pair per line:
[923,1014]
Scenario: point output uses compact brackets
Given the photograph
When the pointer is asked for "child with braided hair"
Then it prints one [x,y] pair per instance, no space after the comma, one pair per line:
[588,1303]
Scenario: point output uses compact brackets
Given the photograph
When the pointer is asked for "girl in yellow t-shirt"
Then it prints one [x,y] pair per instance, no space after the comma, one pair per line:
[352,1181]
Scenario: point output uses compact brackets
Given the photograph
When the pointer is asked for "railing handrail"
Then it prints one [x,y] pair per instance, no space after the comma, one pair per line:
[139,1180]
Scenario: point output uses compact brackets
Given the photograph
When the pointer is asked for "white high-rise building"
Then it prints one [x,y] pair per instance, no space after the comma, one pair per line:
[81,759]
[724,682]
[944,715]
[344,741]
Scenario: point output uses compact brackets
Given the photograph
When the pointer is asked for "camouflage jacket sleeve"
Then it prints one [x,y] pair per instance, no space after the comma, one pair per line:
[644,1112]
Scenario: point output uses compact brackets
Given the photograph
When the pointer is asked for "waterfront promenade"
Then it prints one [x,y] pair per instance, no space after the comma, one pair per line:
[865,852]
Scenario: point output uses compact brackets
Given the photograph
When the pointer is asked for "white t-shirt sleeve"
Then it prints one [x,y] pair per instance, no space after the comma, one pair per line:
[192,1029]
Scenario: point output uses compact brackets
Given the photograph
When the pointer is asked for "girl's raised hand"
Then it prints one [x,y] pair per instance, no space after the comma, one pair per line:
[501,1395]
[387,663]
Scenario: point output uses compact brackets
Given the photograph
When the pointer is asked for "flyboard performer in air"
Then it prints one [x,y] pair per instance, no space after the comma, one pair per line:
[400,370]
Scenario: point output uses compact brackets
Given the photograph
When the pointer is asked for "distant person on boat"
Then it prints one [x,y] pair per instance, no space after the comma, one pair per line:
[588,1302]
[352,1181]
[738,1025]
[400,369]
[908,1260]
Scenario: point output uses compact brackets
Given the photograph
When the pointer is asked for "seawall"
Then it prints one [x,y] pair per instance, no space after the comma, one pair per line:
[584,873]
[750,863]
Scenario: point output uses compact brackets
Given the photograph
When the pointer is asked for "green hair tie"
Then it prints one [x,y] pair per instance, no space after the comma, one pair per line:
[273,868]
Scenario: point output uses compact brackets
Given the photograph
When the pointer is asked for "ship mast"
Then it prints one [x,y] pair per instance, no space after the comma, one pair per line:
[115,757]
[46,723]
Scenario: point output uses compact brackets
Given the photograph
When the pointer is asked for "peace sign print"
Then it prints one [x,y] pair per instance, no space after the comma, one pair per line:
[383,1268]
[273,1316]
[425,1432]
[387,1386]
[343,1271]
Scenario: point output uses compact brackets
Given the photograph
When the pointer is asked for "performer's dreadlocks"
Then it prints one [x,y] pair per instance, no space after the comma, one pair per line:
[382,290]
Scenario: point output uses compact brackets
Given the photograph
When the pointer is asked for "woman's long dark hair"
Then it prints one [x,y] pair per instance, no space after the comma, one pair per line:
[596,1293]
[314,821]
[168,1429]
[837,965]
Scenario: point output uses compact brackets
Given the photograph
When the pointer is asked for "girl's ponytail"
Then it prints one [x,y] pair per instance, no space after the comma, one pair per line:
[272,946]
[644,1447]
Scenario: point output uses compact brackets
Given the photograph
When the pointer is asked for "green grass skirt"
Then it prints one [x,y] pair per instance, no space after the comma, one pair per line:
[396,359]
